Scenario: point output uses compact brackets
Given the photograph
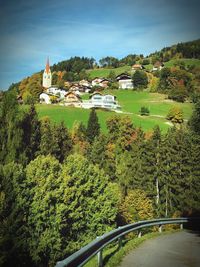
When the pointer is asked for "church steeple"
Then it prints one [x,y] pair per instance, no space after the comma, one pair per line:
[47,75]
[47,66]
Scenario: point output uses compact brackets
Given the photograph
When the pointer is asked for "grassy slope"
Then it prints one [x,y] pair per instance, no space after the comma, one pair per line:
[103,72]
[188,62]
[130,101]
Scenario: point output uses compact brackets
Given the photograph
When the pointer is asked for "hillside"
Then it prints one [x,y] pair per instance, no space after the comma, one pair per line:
[131,103]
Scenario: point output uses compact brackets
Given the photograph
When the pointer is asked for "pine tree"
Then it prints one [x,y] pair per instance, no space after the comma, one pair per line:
[194,122]
[31,133]
[46,144]
[62,143]
[174,170]
[10,130]
[97,153]
[93,127]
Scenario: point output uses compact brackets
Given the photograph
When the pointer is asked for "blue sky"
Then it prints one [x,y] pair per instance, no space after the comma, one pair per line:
[32,30]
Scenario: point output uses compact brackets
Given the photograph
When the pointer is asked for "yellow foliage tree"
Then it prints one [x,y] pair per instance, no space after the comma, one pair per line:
[136,206]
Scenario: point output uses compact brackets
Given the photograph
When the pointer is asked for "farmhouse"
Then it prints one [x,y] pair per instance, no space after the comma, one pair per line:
[72,99]
[137,67]
[84,83]
[125,81]
[100,82]
[158,66]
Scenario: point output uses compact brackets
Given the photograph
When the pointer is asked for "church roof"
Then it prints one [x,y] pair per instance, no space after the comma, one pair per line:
[47,66]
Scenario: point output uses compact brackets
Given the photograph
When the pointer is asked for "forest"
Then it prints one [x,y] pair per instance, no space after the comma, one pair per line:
[61,188]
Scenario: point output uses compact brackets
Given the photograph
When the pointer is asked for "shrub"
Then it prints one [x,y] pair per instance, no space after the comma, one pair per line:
[144,111]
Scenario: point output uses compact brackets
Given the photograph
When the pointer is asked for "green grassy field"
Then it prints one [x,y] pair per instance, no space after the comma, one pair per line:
[188,62]
[103,72]
[131,103]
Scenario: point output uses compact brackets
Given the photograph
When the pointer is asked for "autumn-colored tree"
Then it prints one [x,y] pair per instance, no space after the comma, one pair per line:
[136,206]
[175,115]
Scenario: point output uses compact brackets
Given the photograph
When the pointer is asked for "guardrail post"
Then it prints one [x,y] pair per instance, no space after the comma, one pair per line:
[100,258]
[160,228]
[139,234]
[181,226]
[119,242]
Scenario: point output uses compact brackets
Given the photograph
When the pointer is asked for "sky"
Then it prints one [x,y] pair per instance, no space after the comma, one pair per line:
[32,30]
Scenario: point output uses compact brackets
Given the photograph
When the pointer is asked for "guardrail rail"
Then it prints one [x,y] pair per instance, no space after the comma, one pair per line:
[83,255]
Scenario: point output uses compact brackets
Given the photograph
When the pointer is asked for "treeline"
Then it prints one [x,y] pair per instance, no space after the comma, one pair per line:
[74,64]
[180,50]
[59,189]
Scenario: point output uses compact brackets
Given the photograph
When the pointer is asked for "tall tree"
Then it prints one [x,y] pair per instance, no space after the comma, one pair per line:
[140,79]
[194,122]
[62,143]
[31,133]
[46,144]
[10,130]
[93,126]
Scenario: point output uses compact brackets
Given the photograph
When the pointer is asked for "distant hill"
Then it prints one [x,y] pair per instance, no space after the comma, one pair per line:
[78,68]
[181,50]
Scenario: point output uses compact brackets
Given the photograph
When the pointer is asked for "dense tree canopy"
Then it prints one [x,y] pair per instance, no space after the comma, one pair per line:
[59,189]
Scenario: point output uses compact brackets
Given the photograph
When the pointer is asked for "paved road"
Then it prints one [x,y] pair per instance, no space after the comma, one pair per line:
[180,249]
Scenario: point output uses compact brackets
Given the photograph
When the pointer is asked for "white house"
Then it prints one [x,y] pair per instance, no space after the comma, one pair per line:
[45,98]
[98,100]
[125,81]
[57,92]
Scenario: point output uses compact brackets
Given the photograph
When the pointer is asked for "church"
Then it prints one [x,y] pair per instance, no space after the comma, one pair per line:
[47,77]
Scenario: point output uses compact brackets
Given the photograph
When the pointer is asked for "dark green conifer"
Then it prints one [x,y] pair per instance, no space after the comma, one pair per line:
[93,127]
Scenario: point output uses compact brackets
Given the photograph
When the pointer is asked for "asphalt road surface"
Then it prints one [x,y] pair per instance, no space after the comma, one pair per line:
[181,249]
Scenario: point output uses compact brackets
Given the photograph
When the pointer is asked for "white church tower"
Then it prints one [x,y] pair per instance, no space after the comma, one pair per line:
[47,77]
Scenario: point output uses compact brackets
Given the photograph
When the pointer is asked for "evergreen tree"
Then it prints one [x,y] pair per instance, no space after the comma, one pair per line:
[174,169]
[10,130]
[62,143]
[93,127]
[31,133]
[140,79]
[13,242]
[79,138]
[194,122]
[46,144]
[97,153]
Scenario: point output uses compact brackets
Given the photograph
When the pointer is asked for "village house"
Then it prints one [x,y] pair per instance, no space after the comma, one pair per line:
[96,81]
[85,83]
[98,100]
[125,81]
[137,67]
[46,98]
[72,99]
[102,82]
[57,92]
[158,66]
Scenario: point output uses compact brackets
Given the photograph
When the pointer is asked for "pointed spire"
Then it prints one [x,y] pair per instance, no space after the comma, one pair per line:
[47,66]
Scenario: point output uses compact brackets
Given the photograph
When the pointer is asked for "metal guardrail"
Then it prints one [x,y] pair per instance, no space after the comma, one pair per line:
[83,255]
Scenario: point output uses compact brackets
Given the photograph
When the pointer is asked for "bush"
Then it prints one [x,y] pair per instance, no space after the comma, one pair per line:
[144,111]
